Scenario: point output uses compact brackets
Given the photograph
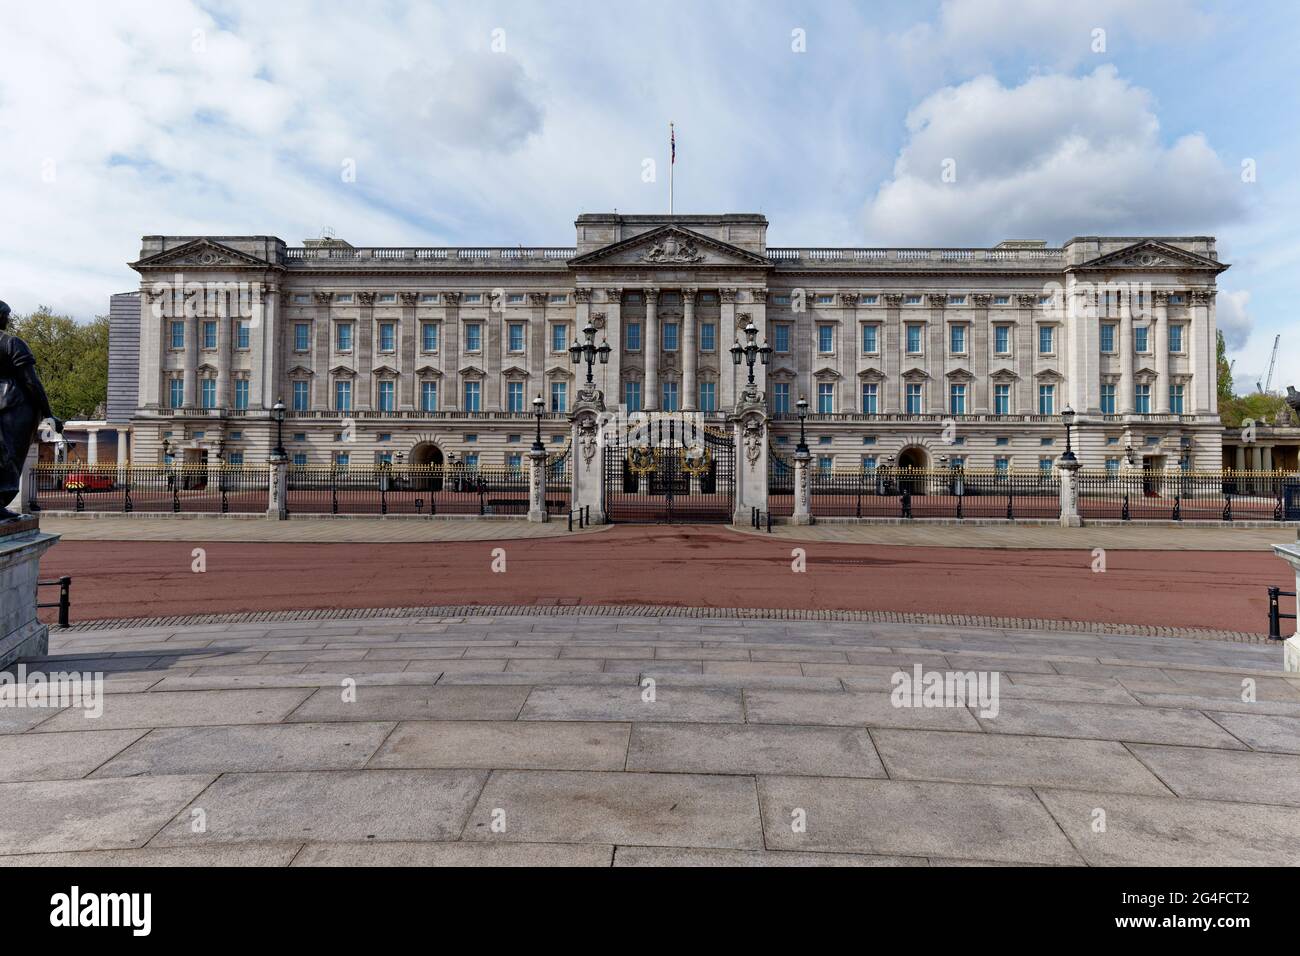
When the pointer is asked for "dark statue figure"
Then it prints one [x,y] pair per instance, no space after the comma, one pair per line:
[23,406]
[1293,400]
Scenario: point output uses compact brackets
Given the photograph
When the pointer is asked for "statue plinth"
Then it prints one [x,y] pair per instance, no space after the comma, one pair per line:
[21,545]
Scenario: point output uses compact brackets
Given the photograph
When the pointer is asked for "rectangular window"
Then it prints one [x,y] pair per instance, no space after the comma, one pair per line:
[957,339]
[781,336]
[670,403]
[670,336]
[781,398]
[514,396]
[560,337]
[871,339]
[914,340]
[1045,340]
[1002,464]
[558,298]
[634,336]
[825,338]
[632,396]
[1045,465]
[1108,399]
[912,300]
[241,394]
[825,398]
[209,392]
[825,463]
[387,337]
[176,393]
[1001,399]
[515,298]
[708,397]
[429,337]
[957,399]
[473,337]
[868,462]
[1175,338]
[343,338]
[708,336]
[1108,337]
[428,396]
[386,393]
[473,392]
[178,335]
[471,460]
[209,335]
[387,298]
[1002,300]
[559,396]
[1140,338]
[299,459]
[514,462]
[1002,339]
[343,396]
[913,396]
[342,459]
[516,338]
[1176,399]
[241,335]
[870,398]
[301,336]
[1112,466]
[1047,399]
[299,396]
[1142,399]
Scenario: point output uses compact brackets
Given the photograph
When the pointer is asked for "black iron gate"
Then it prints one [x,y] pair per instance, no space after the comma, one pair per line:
[672,470]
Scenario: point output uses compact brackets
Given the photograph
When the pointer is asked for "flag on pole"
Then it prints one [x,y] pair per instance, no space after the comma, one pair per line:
[672,142]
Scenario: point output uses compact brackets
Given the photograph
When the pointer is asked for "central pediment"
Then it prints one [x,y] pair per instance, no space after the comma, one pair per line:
[1152,254]
[674,247]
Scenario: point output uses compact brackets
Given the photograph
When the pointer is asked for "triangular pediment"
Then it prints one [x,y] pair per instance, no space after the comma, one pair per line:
[300,370]
[472,371]
[871,374]
[428,371]
[205,253]
[1152,254]
[342,371]
[826,374]
[516,371]
[384,370]
[672,246]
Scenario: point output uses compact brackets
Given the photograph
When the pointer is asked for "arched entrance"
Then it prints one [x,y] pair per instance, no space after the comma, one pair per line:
[427,455]
[910,461]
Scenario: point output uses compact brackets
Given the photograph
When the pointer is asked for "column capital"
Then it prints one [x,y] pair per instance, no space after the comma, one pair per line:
[760,295]
[651,294]
[849,299]
[936,300]
[614,296]
[409,298]
[1202,296]
[582,295]
[688,294]
[1160,298]
[727,295]
[1026,300]
[451,298]
[366,298]
[538,298]
[981,301]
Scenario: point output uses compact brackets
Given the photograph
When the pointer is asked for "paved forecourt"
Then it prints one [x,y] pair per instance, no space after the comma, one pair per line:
[641,740]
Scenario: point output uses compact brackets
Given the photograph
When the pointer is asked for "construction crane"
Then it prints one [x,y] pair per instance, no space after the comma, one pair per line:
[1272,364]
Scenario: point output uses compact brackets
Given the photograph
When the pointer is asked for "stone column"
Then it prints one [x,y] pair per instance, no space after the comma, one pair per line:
[1267,458]
[690,400]
[650,400]
[1125,404]
[802,504]
[1160,341]
[1200,353]
[408,388]
[277,484]
[611,375]
[892,349]
[225,347]
[979,346]
[191,360]
[1069,471]
[449,386]
[274,348]
[363,350]
[122,448]
[727,330]
[750,429]
[936,351]
[92,446]
[537,485]
[320,361]
[1241,457]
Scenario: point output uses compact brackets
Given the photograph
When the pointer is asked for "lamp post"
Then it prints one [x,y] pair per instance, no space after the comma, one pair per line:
[538,410]
[590,351]
[750,350]
[277,413]
[802,406]
[1067,416]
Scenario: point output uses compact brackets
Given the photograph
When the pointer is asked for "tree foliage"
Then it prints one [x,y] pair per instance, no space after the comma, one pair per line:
[71,359]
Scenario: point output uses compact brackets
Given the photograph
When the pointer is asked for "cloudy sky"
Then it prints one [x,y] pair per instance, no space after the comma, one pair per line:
[497,123]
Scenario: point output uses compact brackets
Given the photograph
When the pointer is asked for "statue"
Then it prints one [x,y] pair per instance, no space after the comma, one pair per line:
[1293,400]
[23,406]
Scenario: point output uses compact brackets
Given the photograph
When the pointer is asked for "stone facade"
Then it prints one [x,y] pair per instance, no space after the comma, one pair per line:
[420,353]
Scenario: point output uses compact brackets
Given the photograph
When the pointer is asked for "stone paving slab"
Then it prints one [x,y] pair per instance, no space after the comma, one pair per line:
[897,818]
[1172,831]
[515,745]
[691,810]
[670,856]
[1262,731]
[190,709]
[1225,774]
[751,749]
[414,702]
[849,709]
[249,854]
[454,854]
[1108,722]
[65,756]
[628,703]
[333,806]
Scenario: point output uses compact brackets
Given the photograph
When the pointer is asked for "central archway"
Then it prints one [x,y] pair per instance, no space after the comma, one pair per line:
[427,455]
[912,457]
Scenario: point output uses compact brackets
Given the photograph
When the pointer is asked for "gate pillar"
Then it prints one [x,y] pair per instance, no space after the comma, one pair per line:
[750,424]
[586,420]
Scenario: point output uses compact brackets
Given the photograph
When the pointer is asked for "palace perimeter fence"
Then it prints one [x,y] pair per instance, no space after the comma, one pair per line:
[242,489]
[920,493]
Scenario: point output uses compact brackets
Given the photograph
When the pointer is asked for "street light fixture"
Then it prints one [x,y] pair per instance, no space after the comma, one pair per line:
[590,351]
[802,406]
[750,350]
[1067,416]
[538,410]
[277,413]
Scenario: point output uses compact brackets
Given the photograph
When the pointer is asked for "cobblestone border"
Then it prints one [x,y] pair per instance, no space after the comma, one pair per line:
[673,611]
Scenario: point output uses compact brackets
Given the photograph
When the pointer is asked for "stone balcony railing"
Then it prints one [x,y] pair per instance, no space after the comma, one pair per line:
[513,257]
[1038,259]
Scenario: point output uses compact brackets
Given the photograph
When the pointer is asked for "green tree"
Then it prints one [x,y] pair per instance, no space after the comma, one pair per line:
[1225,371]
[71,358]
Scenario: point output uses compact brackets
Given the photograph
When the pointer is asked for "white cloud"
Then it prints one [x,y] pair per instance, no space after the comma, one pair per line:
[1233,318]
[1056,157]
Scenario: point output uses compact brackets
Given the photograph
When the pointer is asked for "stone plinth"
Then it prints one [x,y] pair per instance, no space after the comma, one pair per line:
[1290,553]
[21,545]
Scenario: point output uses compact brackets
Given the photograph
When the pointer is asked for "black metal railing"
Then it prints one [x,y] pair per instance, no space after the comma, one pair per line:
[583,514]
[1275,615]
[1189,496]
[64,603]
[210,489]
[889,492]
[406,490]
[760,519]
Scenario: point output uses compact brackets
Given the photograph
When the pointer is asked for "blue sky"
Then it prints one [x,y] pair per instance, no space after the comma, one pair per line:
[497,123]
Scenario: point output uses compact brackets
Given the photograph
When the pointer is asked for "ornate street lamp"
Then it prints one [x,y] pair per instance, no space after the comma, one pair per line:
[750,350]
[277,413]
[538,410]
[802,406]
[590,351]
[1067,416]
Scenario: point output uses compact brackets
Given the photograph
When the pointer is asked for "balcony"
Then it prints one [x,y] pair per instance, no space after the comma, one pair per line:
[512,257]
[1042,260]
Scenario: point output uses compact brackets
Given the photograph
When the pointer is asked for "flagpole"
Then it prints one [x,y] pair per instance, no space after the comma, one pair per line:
[672,166]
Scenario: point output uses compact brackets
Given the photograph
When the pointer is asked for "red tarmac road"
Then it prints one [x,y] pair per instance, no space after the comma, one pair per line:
[687,566]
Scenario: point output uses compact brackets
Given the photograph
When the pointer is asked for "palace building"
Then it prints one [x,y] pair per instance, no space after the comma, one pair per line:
[905,356]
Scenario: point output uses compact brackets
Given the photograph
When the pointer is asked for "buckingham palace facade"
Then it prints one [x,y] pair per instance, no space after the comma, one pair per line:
[903,354]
